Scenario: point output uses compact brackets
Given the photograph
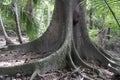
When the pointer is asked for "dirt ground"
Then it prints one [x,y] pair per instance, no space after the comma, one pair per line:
[12,58]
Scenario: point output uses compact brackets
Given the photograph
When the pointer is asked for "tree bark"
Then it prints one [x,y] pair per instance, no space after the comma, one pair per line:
[15,10]
[8,41]
[68,44]
[3,29]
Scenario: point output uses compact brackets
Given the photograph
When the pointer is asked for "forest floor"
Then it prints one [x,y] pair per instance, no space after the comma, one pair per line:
[12,58]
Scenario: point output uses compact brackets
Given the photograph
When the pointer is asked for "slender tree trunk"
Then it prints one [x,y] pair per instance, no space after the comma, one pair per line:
[108,33]
[3,29]
[8,41]
[91,17]
[16,14]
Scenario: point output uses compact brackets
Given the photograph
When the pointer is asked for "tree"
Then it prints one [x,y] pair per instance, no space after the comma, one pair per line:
[20,17]
[65,43]
[8,40]
[15,10]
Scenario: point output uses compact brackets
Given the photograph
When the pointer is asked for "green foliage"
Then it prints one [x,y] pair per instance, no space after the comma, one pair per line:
[35,1]
[103,18]
[93,34]
[31,23]
[7,15]
[34,24]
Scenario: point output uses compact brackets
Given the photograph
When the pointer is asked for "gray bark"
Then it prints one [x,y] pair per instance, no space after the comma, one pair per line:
[8,40]
[15,10]
[3,28]
[67,43]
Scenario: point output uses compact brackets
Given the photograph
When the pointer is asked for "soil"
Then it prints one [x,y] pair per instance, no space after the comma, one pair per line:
[12,58]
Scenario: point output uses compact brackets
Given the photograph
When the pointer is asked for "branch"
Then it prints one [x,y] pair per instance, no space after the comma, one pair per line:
[112,13]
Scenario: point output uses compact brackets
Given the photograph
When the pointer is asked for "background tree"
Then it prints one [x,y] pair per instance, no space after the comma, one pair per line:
[8,40]
[15,10]
[104,21]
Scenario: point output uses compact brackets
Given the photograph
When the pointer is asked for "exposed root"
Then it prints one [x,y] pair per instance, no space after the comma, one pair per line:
[58,39]
[45,64]
[92,51]
[55,61]
[105,54]
[77,71]
[70,61]
[113,69]
[99,55]
[80,61]
[75,67]
[35,73]
[113,61]
[112,64]
[76,61]
[76,74]
[86,77]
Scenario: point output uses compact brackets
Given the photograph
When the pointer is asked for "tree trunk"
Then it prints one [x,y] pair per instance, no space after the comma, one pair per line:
[8,41]
[91,18]
[66,43]
[3,29]
[15,10]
